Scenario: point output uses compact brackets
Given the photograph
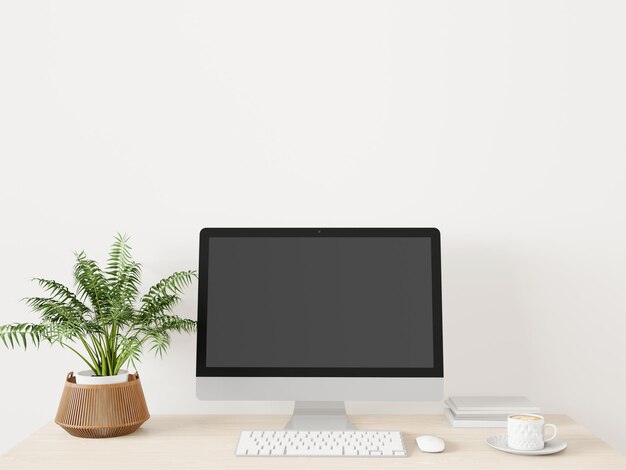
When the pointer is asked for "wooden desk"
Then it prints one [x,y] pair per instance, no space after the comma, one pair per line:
[209,442]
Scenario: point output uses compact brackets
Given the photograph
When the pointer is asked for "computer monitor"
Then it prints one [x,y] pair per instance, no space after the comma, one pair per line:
[319,316]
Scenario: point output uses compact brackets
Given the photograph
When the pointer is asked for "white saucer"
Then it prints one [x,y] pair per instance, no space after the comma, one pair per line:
[552,447]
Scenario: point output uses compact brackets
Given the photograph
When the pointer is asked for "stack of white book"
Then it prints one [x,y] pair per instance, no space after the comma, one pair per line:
[486,412]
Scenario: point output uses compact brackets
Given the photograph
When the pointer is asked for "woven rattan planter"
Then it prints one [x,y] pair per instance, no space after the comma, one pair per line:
[102,410]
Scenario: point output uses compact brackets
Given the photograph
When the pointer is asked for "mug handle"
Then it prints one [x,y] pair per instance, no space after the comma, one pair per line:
[553,430]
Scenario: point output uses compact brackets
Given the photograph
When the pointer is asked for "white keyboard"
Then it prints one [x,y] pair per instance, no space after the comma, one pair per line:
[321,444]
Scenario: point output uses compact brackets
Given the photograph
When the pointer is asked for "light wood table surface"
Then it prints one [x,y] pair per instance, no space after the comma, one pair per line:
[209,442]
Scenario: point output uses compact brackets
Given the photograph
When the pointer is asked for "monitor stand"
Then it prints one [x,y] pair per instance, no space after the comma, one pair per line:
[319,415]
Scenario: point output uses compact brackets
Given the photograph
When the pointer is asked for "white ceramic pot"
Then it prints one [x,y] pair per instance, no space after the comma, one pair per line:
[86,377]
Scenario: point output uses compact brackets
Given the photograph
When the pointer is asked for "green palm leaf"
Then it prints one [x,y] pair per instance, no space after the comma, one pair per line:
[16,334]
[91,283]
[124,274]
[165,294]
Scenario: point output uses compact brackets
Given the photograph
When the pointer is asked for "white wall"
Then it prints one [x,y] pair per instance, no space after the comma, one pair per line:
[501,123]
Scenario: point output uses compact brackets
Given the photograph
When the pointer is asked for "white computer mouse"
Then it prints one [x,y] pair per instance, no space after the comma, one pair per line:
[430,443]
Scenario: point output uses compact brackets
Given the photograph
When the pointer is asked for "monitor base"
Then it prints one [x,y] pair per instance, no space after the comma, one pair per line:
[319,415]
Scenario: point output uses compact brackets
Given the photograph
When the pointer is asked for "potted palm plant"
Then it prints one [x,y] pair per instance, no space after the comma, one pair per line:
[105,322]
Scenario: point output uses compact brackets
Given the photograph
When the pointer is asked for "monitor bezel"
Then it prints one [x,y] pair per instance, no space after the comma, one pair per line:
[389,372]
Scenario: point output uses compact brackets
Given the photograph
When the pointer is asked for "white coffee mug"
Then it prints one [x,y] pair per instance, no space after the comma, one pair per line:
[526,432]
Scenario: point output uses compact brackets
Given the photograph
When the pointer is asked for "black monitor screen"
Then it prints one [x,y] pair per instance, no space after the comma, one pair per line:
[319,302]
